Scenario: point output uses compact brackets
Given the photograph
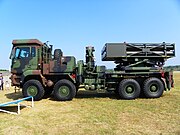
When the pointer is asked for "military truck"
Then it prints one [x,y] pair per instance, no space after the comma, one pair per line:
[139,70]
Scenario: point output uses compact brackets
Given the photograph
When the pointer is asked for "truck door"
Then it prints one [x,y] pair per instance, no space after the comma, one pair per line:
[24,58]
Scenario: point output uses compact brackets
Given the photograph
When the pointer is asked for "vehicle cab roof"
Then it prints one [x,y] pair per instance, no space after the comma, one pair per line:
[27,42]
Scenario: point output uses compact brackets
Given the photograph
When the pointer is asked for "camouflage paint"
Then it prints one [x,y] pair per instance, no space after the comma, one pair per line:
[65,64]
[27,41]
[139,65]
[17,64]
[32,66]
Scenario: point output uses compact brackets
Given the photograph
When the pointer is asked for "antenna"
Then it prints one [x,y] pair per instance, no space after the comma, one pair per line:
[47,42]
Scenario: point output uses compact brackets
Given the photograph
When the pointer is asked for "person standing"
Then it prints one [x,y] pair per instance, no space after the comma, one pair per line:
[1,82]
[2,85]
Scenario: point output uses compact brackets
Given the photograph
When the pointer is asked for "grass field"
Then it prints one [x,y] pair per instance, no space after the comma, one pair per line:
[92,113]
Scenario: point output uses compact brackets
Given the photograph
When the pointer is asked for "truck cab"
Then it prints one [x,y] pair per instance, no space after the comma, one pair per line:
[26,59]
[36,70]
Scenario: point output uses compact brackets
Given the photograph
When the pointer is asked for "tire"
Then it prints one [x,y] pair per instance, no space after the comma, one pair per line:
[129,89]
[64,90]
[57,54]
[33,88]
[153,88]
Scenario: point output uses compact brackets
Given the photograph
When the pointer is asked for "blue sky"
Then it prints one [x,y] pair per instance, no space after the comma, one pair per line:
[73,24]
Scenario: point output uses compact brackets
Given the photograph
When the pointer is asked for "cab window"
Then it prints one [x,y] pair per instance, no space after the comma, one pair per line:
[22,52]
[25,52]
[33,52]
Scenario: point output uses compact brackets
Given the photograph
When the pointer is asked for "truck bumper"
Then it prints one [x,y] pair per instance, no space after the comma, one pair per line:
[15,80]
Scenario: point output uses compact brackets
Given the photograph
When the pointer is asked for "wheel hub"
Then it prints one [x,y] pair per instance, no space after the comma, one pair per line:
[129,90]
[64,91]
[32,90]
[153,88]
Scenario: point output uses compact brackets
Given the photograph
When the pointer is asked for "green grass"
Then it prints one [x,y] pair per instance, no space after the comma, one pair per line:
[92,113]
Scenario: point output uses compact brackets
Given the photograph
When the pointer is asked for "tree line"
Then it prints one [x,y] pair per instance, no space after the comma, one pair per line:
[174,68]
[4,70]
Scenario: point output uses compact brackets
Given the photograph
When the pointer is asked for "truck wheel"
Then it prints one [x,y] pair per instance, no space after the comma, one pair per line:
[129,89]
[64,90]
[33,88]
[153,88]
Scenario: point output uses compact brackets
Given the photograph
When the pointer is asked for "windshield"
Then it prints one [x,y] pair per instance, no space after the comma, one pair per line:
[23,52]
[18,53]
